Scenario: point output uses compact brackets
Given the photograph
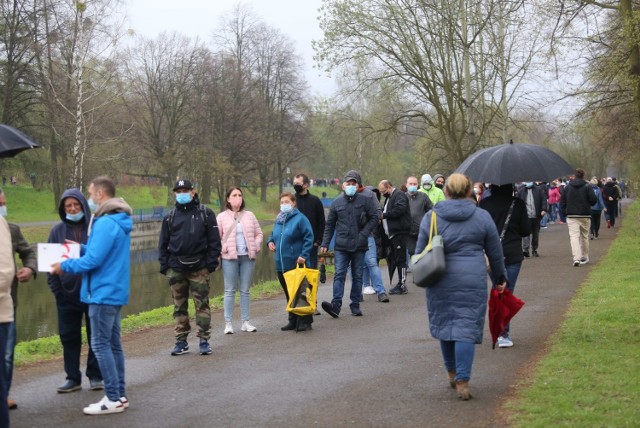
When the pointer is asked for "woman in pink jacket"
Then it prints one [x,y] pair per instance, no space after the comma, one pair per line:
[241,239]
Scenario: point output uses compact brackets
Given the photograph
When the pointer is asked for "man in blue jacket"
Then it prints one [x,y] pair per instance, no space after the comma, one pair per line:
[352,217]
[104,265]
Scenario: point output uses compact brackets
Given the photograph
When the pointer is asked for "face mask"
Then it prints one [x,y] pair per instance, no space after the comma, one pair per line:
[298,188]
[439,186]
[476,190]
[75,217]
[426,186]
[285,208]
[529,185]
[183,198]
[412,189]
[3,211]
[349,190]
[92,205]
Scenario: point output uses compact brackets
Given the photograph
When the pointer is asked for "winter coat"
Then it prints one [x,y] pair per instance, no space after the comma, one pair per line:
[28,257]
[397,214]
[577,198]
[7,273]
[457,303]
[352,218]
[250,229]
[598,206]
[293,238]
[539,198]
[419,204]
[68,283]
[104,262]
[312,208]
[610,190]
[554,195]
[435,194]
[187,239]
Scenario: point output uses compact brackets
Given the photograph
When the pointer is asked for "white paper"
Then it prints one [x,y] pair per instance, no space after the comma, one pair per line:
[49,254]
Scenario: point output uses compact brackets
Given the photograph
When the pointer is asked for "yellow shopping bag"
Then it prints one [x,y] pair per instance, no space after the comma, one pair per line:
[302,286]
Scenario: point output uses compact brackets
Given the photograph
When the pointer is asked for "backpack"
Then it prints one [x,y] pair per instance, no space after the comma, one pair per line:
[203,214]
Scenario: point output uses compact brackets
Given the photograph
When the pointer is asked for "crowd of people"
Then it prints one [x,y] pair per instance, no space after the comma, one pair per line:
[486,229]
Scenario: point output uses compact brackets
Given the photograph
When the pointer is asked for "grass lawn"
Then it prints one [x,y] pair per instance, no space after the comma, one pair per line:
[591,375]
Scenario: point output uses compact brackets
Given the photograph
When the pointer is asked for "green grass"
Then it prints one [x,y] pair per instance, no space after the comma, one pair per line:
[591,375]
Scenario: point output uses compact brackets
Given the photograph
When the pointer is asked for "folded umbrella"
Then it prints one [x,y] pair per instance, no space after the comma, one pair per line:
[502,307]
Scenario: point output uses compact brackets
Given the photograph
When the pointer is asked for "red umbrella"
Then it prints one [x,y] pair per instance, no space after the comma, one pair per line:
[502,307]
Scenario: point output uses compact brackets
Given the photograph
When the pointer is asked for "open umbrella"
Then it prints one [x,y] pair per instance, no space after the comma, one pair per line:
[511,163]
[13,141]
[502,307]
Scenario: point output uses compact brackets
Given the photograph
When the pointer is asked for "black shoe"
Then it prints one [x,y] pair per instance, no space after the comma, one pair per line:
[289,327]
[403,289]
[96,384]
[525,253]
[382,297]
[396,290]
[535,254]
[69,386]
[330,309]
[355,310]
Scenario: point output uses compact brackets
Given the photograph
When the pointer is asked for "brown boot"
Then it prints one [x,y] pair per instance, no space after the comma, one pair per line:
[452,378]
[462,388]
[12,404]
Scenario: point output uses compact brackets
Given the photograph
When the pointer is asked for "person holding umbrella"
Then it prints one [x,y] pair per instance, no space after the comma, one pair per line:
[457,302]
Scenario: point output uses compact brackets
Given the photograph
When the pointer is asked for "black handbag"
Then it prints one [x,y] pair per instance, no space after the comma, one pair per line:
[429,265]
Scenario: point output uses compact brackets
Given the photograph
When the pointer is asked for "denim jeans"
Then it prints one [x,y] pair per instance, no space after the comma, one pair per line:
[371,274]
[513,270]
[4,409]
[8,354]
[106,344]
[342,259]
[71,312]
[234,272]
[458,357]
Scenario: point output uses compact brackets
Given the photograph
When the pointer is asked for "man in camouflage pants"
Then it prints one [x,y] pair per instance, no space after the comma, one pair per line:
[189,250]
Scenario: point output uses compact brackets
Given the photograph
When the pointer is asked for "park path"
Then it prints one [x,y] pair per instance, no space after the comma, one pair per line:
[379,370]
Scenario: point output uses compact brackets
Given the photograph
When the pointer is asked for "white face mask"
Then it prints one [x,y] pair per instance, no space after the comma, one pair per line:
[3,211]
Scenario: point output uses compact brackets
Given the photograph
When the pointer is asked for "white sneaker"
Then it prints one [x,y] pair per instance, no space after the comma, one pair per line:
[228,328]
[246,326]
[125,402]
[504,342]
[104,407]
[584,260]
[369,290]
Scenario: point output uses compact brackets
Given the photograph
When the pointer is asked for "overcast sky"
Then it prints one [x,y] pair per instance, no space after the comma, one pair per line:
[295,18]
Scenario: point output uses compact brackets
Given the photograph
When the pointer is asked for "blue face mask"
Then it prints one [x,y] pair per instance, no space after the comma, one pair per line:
[412,189]
[92,205]
[285,208]
[350,190]
[3,211]
[183,198]
[75,217]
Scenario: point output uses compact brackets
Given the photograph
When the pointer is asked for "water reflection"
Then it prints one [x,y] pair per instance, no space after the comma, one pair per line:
[37,315]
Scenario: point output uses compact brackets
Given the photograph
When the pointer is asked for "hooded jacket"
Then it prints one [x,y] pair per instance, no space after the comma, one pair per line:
[577,198]
[457,302]
[104,259]
[68,283]
[186,238]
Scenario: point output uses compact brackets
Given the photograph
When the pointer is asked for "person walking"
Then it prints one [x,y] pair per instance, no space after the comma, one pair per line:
[596,210]
[537,206]
[28,270]
[189,249]
[75,215]
[311,206]
[510,216]
[241,238]
[554,201]
[396,222]
[7,274]
[104,265]
[610,195]
[457,302]
[352,216]
[576,202]
[371,274]
[292,241]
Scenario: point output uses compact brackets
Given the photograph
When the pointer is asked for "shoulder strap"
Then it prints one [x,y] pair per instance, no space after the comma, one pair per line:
[433,229]
[203,214]
[506,222]
[230,228]
[170,217]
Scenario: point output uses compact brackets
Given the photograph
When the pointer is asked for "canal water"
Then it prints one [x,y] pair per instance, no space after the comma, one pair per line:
[37,315]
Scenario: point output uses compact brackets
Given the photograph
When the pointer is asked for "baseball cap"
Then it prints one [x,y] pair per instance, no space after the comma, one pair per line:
[182,184]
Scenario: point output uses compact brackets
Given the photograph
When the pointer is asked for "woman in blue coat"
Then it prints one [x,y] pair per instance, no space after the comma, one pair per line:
[457,303]
[292,241]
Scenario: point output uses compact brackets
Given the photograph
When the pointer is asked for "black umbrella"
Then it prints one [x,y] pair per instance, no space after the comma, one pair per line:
[511,163]
[13,141]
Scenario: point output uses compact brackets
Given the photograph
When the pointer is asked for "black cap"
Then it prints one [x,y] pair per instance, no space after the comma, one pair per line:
[182,184]
[353,175]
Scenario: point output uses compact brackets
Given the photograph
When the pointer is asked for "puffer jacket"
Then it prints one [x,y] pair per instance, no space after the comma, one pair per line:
[250,230]
[457,302]
[293,237]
